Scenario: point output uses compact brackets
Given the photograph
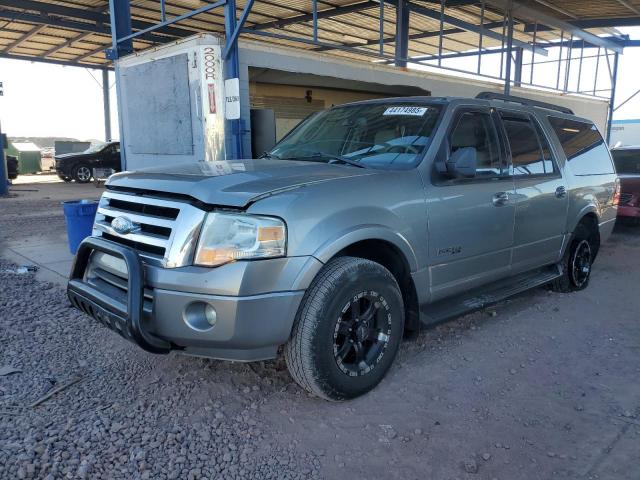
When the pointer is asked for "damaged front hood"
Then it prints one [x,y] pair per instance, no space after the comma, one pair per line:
[233,183]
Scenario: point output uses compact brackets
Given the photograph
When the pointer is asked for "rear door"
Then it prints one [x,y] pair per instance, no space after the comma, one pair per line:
[471,219]
[540,193]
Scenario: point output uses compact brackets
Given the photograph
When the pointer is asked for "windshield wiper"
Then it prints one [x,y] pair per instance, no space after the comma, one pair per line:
[269,155]
[334,158]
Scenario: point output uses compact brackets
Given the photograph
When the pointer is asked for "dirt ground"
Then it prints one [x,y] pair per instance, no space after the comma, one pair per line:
[542,386]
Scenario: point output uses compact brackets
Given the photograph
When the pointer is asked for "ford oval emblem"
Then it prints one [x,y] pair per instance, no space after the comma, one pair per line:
[123,225]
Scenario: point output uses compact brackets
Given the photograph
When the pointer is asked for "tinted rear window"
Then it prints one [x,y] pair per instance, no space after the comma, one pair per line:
[627,161]
[583,146]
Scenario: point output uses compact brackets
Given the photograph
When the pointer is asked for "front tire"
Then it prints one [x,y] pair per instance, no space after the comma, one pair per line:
[347,331]
[82,174]
[577,262]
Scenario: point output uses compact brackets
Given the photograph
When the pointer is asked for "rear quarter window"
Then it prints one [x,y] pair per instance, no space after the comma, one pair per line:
[584,147]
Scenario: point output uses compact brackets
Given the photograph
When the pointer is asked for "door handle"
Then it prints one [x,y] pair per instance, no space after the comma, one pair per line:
[561,192]
[500,198]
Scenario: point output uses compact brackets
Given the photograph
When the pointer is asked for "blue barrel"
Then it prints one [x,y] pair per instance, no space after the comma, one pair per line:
[79,215]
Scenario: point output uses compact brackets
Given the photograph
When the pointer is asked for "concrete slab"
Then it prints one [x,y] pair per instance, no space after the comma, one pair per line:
[46,247]
[56,272]
[62,268]
[43,253]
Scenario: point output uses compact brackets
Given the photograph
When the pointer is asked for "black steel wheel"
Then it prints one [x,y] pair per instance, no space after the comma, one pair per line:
[581,263]
[348,329]
[362,333]
[577,261]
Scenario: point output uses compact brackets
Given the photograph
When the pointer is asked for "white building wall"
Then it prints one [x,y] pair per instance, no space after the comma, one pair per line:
[260,55]
[625,132]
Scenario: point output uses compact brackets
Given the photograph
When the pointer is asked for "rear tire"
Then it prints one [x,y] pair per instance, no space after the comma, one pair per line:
[82,174]
[347,331]
[577,261]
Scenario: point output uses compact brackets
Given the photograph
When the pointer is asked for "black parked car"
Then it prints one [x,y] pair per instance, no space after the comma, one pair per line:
[79,166]
[12,167]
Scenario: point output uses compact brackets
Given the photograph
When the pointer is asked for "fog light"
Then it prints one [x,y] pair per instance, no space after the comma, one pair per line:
[211,315]
[200,316]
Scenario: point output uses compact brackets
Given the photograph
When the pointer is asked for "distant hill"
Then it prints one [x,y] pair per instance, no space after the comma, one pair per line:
[48,142]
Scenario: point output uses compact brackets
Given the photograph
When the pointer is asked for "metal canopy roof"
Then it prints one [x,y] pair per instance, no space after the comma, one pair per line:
[76,32]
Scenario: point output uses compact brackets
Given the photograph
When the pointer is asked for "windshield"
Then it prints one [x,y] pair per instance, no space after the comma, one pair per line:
[384,135]
[627,161]
[95,148]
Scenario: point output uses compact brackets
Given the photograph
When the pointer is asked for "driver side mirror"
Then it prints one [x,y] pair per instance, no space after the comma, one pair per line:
[462,163]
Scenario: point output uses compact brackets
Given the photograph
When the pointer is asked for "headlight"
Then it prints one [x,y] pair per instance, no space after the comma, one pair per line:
[227,237]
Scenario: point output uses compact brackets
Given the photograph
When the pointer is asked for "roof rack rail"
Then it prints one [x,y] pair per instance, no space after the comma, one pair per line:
[522,101]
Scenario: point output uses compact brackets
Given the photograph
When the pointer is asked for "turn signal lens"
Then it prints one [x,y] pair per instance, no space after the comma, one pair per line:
[615,200]
[228,237]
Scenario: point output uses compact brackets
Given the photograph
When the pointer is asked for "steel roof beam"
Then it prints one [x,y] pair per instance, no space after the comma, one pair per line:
[520,10]
[19,41]
[308,17]
[93,52]
[65,63]
[66,44]
[628,6]
[580,44]
[73,25]
[592,23]
[414,36]
[82,14]
[456,22]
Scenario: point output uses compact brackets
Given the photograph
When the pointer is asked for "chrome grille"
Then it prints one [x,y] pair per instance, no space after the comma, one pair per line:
[166,230]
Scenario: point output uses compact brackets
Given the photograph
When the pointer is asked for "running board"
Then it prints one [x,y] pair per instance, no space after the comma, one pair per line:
[481,297]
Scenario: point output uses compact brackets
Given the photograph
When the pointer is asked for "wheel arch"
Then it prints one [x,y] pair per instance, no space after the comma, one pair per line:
[390,256]
[588,217]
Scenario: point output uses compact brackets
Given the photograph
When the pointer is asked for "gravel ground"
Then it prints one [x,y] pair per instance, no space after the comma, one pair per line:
[542,386]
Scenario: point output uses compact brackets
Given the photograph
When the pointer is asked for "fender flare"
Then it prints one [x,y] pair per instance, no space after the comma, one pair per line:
[367,232]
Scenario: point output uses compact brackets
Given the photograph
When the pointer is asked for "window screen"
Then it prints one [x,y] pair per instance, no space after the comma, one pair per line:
[477,130]
[583,146]
[527,155]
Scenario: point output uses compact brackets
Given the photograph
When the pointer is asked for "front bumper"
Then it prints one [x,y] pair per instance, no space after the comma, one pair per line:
[157,314]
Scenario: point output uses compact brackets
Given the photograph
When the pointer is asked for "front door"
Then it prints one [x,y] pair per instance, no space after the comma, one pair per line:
[471,219]
[541,193]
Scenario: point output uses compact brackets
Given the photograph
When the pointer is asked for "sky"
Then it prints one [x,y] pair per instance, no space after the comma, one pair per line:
[51,100]
[43,100]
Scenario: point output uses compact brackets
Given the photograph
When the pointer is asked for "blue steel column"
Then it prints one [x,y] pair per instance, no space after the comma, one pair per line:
[232,70]
[4,189]
[120,11]
[507,76]
[517,75]
[402,33]
[106,103]
[614,81]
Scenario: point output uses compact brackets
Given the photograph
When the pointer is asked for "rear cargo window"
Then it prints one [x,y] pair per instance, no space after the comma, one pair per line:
[583,146]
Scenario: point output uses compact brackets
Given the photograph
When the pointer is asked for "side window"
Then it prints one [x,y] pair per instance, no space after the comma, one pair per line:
[477,130]
[527,156]
[549,164]
[583,146]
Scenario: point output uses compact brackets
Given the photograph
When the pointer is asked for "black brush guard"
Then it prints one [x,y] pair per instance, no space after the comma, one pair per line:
[125,319]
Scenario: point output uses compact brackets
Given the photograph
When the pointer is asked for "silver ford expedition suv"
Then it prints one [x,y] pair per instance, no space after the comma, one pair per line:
[366,221]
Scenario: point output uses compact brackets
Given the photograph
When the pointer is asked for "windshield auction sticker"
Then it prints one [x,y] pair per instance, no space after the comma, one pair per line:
[413,111]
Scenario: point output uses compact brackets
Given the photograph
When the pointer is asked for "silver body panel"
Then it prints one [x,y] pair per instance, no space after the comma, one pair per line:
[453,237]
